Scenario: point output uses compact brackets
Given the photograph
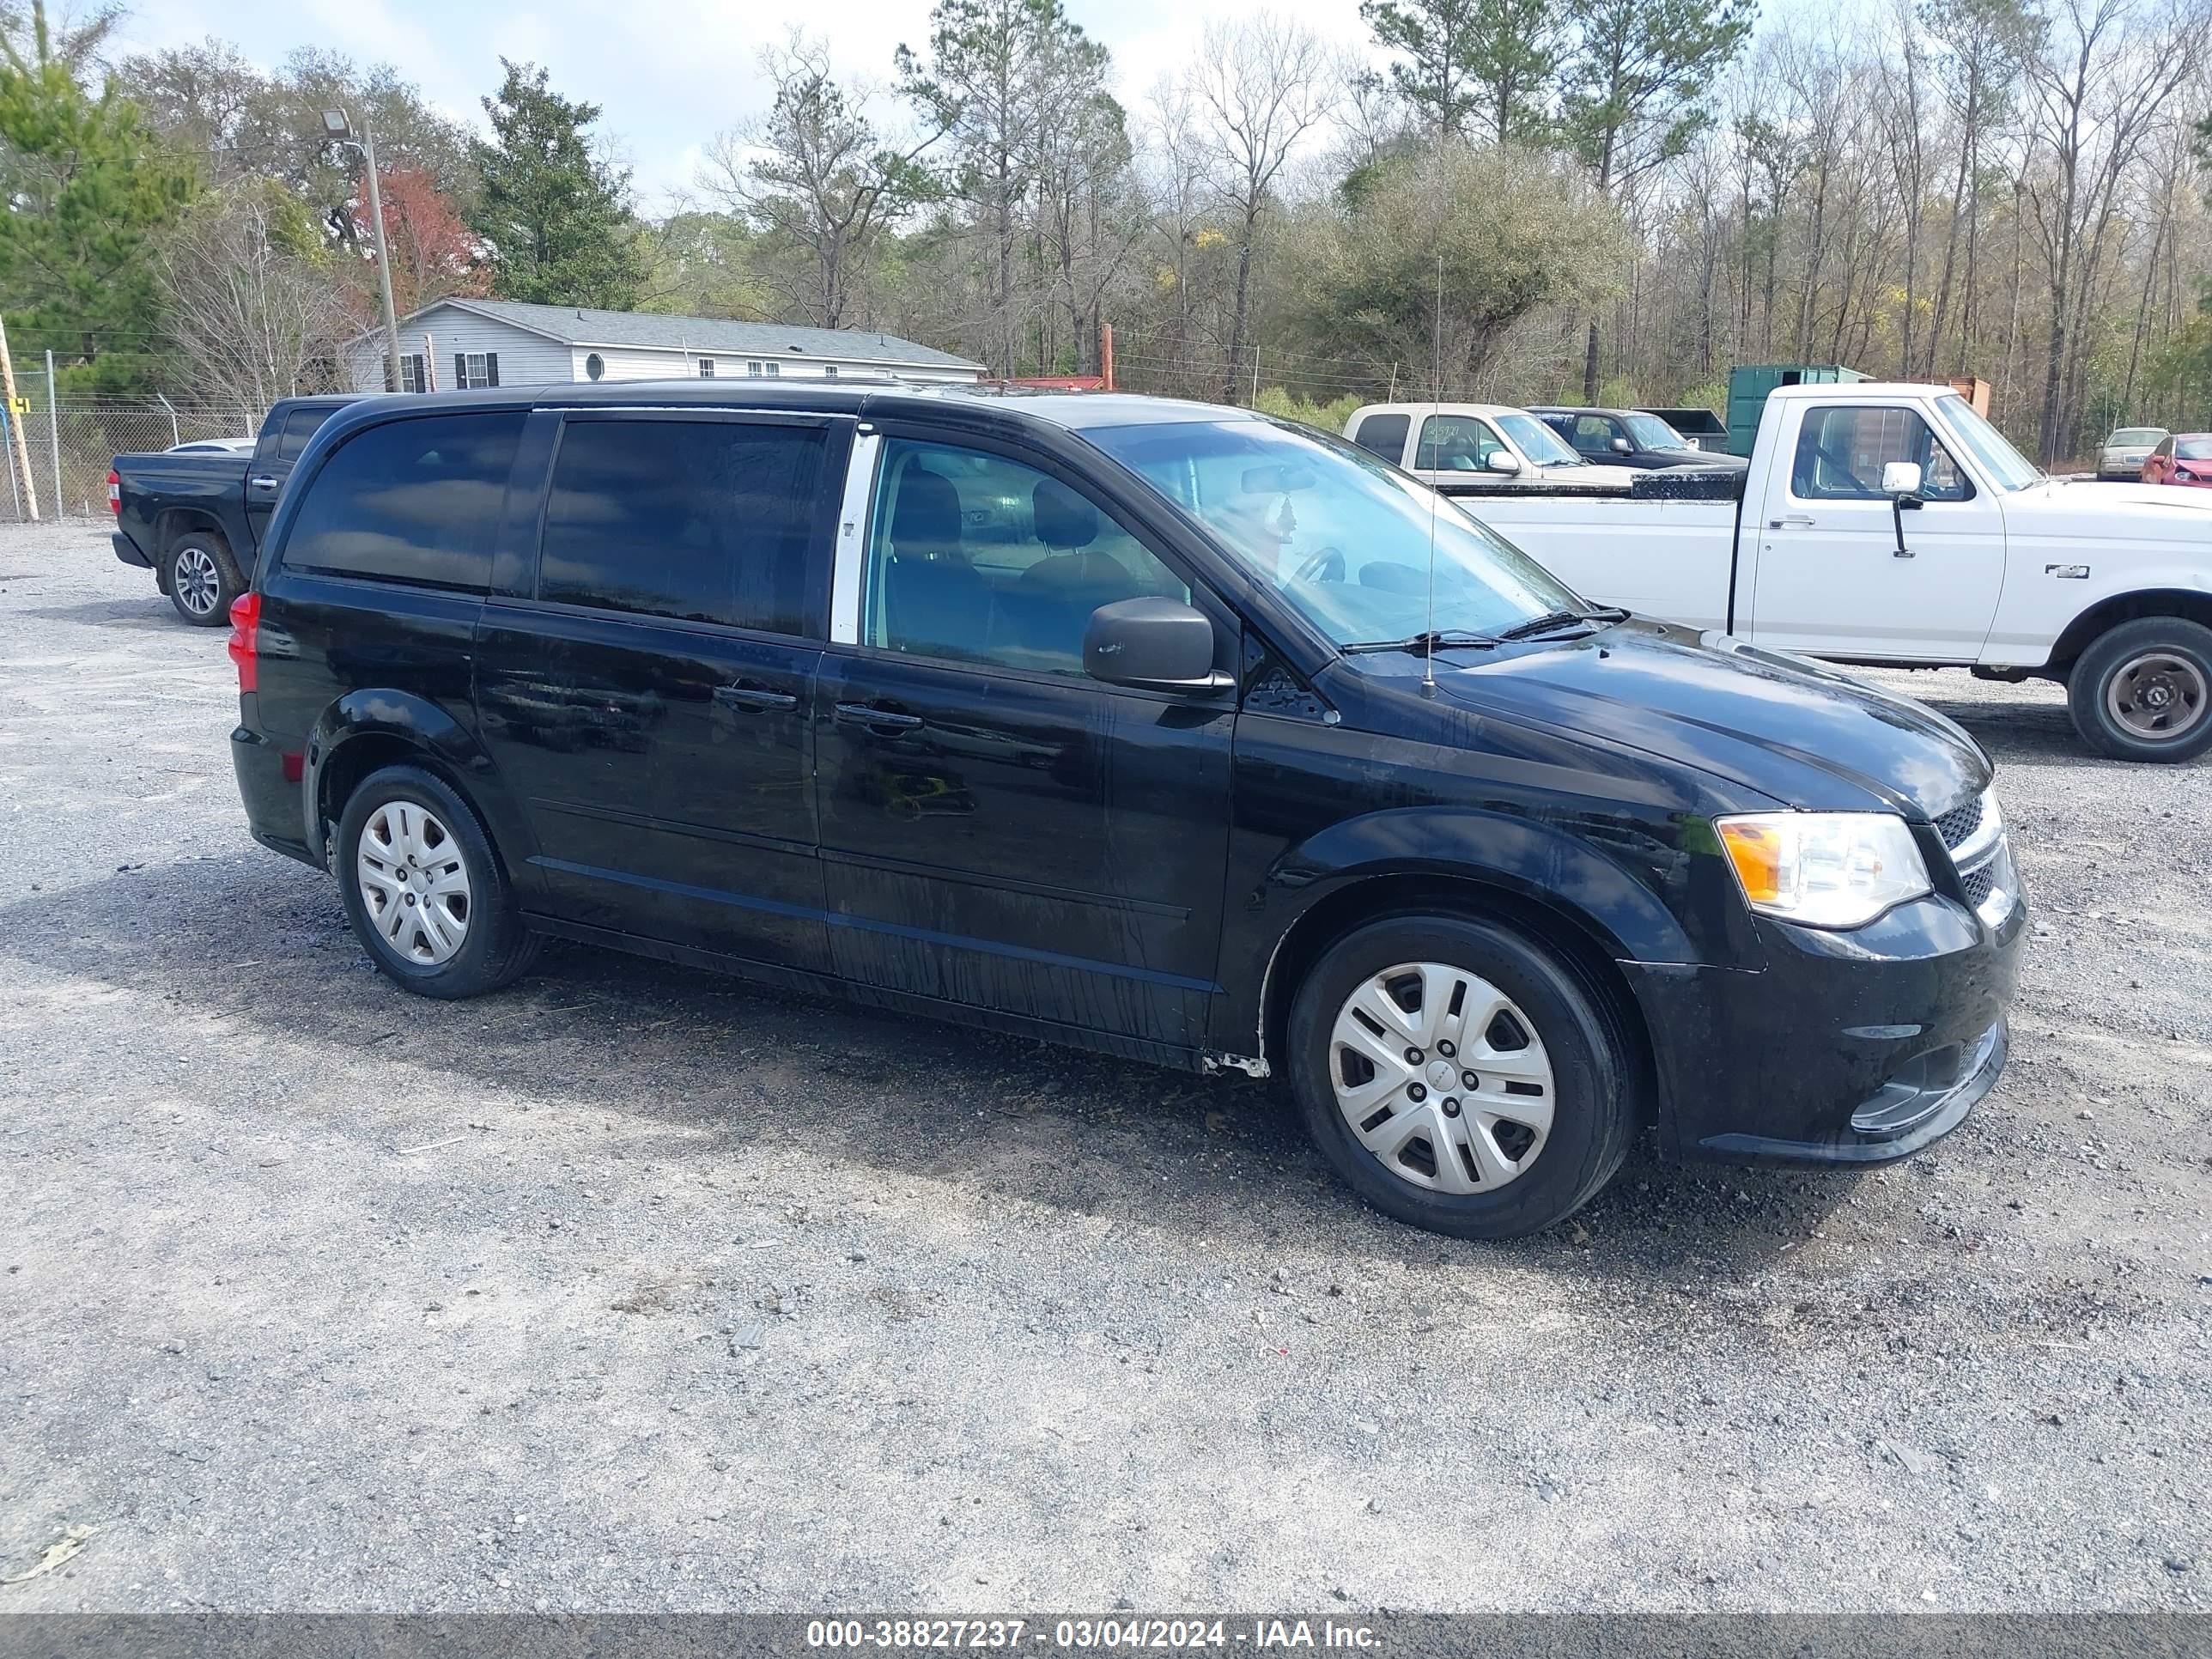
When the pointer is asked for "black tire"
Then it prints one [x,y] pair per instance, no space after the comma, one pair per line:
[210,578]
[496,948]
[2164,657]
[1593,1114]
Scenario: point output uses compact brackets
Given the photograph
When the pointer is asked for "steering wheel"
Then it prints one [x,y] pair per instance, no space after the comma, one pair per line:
[1325,566]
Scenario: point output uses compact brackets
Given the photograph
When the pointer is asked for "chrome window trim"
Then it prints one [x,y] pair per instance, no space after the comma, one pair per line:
[848,559]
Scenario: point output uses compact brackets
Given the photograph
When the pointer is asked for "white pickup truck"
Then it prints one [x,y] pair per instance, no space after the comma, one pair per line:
[1893,525]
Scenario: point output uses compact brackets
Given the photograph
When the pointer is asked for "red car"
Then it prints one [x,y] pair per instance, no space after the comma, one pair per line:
[2185,458]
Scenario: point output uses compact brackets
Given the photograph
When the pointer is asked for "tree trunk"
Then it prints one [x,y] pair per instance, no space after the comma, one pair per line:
[1230,375]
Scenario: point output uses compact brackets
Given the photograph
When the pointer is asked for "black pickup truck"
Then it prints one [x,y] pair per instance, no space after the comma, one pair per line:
[195,518]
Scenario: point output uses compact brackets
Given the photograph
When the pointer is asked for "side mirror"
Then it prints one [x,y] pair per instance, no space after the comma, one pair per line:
[1900,481]
[1503,460]
[1154,644]
[1621,445]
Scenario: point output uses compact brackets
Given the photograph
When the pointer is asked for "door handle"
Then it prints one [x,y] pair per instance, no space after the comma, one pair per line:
[262,483]
[753,697]
[877,718]
[1791,521]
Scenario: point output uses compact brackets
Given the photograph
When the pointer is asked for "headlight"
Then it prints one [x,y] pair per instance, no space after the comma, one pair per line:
[1824,869]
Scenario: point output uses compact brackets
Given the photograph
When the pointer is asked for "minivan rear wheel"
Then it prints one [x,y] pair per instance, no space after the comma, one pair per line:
[1458,1077]
[425,893]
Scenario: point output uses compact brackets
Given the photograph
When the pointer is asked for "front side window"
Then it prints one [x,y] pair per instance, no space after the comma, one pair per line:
[2193,449]
[708,521]
[1842,450]
[1593,434]
[1650,432]
[410,500]
[1457,443]
[977,558]
[1346,540]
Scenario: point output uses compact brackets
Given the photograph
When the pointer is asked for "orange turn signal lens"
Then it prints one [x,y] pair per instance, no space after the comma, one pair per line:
[1755,849]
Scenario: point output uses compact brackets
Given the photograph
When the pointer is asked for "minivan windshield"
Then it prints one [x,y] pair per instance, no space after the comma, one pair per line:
[2007,469]
[1344,537]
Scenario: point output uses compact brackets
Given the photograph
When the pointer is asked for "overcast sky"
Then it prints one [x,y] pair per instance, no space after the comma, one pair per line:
[670,73]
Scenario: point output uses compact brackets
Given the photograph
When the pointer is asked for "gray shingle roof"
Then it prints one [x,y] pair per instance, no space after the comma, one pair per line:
[574,326]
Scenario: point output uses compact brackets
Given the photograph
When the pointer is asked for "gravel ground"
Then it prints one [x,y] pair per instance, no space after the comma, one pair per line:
[636,1289]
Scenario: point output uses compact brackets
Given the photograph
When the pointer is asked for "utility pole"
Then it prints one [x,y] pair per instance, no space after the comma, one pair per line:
[340,129]
[54,434]
[22,456]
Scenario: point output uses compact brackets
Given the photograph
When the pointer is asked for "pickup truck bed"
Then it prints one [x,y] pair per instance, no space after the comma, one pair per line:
[195,519]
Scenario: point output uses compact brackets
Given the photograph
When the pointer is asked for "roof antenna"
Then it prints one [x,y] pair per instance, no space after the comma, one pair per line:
[1436,398]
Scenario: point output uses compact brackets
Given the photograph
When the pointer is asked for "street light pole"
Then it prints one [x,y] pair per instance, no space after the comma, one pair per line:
[340,128]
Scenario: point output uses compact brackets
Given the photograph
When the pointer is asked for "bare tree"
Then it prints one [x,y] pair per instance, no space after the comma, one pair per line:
[255,320]
[2096,85]
[813,174]
[1264,84]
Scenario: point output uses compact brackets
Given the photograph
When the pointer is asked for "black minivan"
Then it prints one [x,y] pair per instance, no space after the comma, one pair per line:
[1168,730]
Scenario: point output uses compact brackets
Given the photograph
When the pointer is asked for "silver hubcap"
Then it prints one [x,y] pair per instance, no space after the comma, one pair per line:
[1442,1078]
[414,883]
[2159,695]
[196,581]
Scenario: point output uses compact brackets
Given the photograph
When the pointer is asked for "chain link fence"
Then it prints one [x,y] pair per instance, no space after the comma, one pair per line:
[72,446]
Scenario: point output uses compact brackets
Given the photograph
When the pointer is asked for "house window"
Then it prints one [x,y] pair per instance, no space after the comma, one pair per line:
[476,368]
[830,371]
[413,373]
[594,366]
[706,368]
[773,370]
[753,369]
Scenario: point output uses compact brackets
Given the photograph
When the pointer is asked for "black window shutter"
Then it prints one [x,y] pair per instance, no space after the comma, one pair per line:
[491,367]
[460,371]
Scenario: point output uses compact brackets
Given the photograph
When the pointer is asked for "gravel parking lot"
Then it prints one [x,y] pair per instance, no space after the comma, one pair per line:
[632,1288]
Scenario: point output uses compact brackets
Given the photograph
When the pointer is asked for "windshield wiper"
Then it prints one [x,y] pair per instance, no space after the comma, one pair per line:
[1552,620]
[1436,639]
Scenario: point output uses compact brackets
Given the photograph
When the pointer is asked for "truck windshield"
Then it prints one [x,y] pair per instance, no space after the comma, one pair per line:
[1538,442]
[1342,536]
[2006,467]
[1652,432]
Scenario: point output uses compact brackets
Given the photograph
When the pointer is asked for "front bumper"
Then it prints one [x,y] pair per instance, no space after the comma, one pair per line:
[129,551]
[1852,1049]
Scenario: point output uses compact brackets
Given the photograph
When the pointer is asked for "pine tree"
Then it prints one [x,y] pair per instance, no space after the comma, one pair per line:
[87,191]
[556,218]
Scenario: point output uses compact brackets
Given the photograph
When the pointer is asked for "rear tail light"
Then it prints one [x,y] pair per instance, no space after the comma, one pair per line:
[114,492]
[246,640]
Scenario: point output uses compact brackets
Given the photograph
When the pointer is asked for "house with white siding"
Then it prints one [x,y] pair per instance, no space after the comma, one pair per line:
[457,344]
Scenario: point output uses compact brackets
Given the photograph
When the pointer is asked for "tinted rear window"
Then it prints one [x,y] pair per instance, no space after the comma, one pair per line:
[1385,435]
[300,425]
[697,520]
[410,500]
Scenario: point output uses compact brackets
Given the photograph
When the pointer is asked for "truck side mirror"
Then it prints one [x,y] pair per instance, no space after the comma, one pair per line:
[1503,460]
[1620,445]
[1900,482]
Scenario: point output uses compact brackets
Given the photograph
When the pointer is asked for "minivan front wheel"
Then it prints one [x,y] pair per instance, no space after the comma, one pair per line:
[1458,1077]
[425,893]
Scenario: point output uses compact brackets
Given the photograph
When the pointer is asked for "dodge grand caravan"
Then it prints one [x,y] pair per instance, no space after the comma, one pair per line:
[1166,730]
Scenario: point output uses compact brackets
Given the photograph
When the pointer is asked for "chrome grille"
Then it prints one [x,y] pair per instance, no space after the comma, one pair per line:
[1959,824]
[1978,882]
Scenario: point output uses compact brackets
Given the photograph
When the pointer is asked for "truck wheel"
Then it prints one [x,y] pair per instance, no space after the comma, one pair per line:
[425,892]
[1458,1078]
[201,578]
[2142,691]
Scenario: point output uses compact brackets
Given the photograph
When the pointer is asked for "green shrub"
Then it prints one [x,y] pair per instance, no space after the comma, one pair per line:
[1329,416]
